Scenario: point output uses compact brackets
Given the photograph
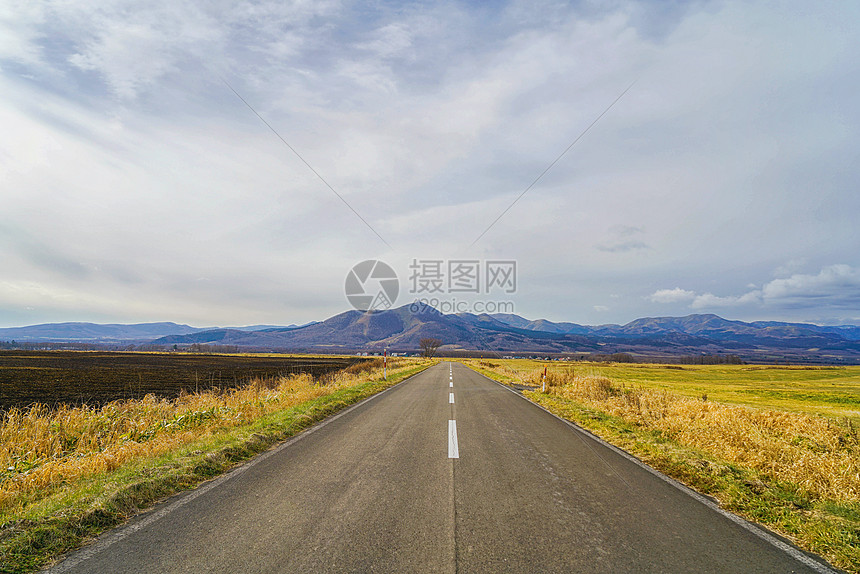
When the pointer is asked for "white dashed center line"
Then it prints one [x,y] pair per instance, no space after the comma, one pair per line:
[453,450]
[451,398]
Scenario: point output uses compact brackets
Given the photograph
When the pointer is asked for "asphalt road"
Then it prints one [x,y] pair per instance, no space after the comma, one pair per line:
[394,486]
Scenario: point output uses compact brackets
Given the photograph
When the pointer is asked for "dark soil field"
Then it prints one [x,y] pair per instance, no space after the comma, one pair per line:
[86,377]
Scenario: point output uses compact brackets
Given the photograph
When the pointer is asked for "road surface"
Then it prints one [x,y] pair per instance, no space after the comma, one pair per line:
[446,472]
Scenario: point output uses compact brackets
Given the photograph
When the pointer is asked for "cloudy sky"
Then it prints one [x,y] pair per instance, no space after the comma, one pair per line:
[136,186]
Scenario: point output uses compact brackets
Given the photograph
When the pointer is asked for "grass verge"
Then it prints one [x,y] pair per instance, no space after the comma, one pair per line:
[794,473]
[64,515]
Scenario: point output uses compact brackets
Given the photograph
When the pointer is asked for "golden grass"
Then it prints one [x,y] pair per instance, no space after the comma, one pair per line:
[820,455]
[832,391]
[42,448]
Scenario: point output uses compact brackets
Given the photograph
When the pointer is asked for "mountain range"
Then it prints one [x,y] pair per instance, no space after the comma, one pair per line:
[107,333]
[402,329]
[709,325]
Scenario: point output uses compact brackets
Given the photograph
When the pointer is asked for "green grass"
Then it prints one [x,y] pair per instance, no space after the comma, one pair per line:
[70,516]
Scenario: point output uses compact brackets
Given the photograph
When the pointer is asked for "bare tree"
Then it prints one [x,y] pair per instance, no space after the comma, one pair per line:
[429,345]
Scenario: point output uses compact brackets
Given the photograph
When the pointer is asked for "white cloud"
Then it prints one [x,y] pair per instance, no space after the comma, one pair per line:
[672,295]
[20,32]
[710,301]
[790,267]
[389,41]
[835,287]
